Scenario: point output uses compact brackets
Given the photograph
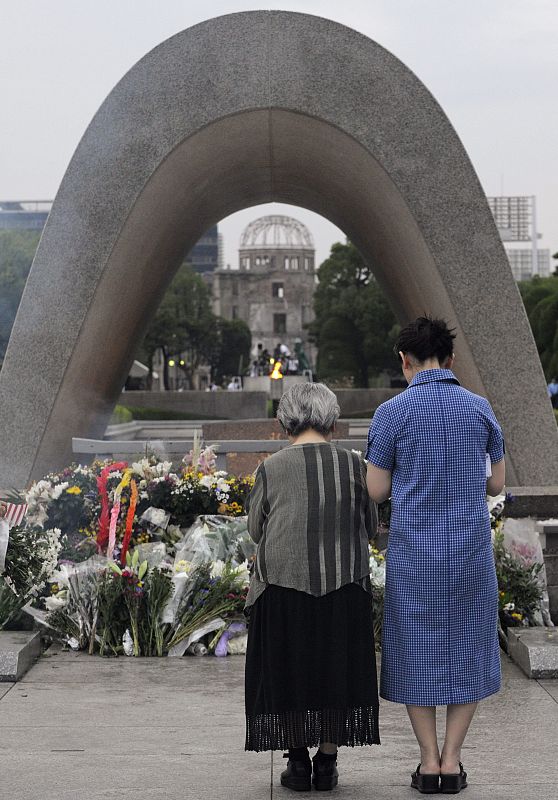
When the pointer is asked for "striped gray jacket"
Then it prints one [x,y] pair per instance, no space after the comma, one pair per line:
[311,517]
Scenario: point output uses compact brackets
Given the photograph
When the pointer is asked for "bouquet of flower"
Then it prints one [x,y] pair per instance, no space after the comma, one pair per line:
[216,591]
[377,562]
[31,558]
[520,590]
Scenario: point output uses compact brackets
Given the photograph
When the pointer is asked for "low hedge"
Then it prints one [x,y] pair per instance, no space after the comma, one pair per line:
[120,415]
[158,414]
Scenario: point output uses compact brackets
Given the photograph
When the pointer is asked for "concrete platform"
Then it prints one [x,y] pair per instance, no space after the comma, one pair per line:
[535,650]
[174,729]
[18,651]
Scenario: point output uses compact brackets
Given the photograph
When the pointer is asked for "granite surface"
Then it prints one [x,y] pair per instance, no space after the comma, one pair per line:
[535,650]
[18,651]
[240,110]
[229,405]
[173,729]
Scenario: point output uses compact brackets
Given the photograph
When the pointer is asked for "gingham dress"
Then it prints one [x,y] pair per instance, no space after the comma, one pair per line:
[440,642]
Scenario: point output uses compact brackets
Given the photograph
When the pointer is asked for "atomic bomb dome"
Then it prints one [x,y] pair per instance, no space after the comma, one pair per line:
[276,232]
[273,286]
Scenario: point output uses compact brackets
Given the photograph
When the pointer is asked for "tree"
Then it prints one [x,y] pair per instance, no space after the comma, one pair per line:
[17,250]
[540,297]
[231,352]
[183,323]
[354,327]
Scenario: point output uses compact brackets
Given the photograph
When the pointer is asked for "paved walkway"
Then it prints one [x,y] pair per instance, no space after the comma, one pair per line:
[82,728]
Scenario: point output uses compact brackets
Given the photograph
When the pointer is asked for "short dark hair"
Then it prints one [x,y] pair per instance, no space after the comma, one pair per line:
[426,338]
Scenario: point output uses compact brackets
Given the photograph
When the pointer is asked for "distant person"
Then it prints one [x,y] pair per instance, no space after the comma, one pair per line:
[284,350]
[233,385]
[552,389]
[427,450]
[265,361]
[292,366]
[254,369]
[303,363]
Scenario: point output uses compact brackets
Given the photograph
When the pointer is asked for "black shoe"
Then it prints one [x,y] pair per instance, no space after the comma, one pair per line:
[453,784]
[325,775]
[298,775]
[426,784]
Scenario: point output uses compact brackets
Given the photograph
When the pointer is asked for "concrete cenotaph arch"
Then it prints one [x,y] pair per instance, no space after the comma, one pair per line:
[244,109]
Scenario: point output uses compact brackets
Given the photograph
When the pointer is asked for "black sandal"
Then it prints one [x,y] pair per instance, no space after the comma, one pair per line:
[453,784]
[426,784]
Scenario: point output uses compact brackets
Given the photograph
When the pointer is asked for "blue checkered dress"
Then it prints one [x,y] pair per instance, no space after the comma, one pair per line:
[440,642]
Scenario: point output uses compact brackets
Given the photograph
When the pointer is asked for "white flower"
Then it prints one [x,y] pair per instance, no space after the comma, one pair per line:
[61,576]
[56,601]
[208,481]
[128,643]
[217,569]
[243,573]
[183,566]
[73,643]
[223,486]
[57,491]
[509,607]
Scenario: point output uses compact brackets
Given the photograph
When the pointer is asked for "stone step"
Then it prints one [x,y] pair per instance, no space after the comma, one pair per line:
[18,652]
[535,650]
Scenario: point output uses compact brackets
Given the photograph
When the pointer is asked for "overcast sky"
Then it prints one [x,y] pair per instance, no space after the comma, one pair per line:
[492,64]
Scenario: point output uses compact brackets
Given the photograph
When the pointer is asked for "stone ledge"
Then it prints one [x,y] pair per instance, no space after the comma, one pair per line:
[535,650]
[532,501]
[18,651]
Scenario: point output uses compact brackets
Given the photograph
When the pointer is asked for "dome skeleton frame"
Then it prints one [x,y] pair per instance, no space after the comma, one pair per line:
[276,232]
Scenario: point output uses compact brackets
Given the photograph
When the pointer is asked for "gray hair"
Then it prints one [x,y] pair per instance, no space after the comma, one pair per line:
[308,405]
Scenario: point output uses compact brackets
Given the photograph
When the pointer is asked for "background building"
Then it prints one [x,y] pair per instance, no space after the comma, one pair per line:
[204,255]
[31,215]
[24,215]
[521,263]
[516,220]
[272,287]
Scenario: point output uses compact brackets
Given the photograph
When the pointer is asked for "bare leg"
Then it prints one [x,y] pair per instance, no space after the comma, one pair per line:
[423,720]
[457,724]
[328,748]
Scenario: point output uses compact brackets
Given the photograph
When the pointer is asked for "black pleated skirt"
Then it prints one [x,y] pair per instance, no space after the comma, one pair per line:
[311,670]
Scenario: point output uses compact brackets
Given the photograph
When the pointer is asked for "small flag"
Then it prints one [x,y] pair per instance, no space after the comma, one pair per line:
[15,513]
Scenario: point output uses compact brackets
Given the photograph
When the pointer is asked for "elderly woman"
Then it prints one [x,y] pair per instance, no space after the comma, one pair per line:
[310,666]
[437,449]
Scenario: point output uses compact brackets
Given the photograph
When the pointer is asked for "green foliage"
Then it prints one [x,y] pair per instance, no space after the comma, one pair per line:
[120,415]
[540,297]
[183,322]
[354,326]
[17,249]
[231,352]
[518,581]
[158,414]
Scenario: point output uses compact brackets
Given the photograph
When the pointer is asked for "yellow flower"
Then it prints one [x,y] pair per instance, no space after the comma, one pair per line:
[73,490]
[517,616]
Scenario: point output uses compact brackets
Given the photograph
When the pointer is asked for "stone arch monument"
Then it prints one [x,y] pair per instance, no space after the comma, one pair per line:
[240,110]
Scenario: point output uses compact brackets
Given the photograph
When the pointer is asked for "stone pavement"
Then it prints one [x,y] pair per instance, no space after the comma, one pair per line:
[80,727]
